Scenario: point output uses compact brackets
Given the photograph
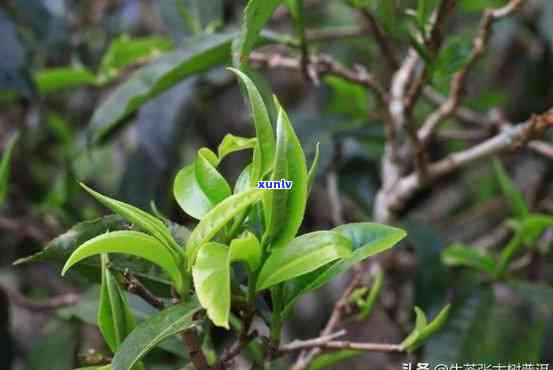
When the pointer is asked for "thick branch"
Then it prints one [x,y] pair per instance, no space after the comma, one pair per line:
[511,137]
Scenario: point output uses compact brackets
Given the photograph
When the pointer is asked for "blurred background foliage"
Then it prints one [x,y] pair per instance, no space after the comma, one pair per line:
[61,58]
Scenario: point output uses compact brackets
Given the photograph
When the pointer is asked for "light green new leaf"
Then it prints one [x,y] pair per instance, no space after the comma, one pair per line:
[246,249]
[366,308]
[256,14]
[196,56]
[54,79]
[510,191]
[302,255]
[212,183]
[145,221]
[211,274]
[199,187]
[125,51]
[262,123]
[367,239]
[217,218]
[462,255]
[114,317]
[232,143]
[423,330]
[128,242]
[5,167]
[149,333]
[285,208]
[189,195]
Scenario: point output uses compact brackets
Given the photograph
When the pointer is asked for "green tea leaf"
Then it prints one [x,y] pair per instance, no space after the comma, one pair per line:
[59,249]
[217,218]
[211,274]
[302,255]
[5,162]
[115,319]
[129,242]
[422,330]
[196,56]
[312,174]
[286,208]
[533,227]
[510,191]
[256,14]
[462,255]
[209,179]
[246,249]
[262,123]
[55,79]
[367,239]
[511,249]
[140,218]
[366,308]
[151,332]
[232,143]
[188,194]
[125,51]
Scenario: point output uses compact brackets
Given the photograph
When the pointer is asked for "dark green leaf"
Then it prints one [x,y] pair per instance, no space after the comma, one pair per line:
[5,163]
[59,249]
[125,51]
[151,332]
[462,255]
[54,79]
[510,191]
[140,218]
[196,56]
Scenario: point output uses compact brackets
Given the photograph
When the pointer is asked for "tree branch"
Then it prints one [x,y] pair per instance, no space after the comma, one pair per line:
[53,303]
[133,285]
[306,358]
[323,64]
[457,88]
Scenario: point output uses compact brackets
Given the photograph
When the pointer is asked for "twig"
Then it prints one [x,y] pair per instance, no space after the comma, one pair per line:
[133,285]
[383,42]
[316,342]
[542,148]
[336,208]
[237,347]
[334,33]
[53,303]
[306,358]
[194,348]
[322,64]
[457,88]
[335,344]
